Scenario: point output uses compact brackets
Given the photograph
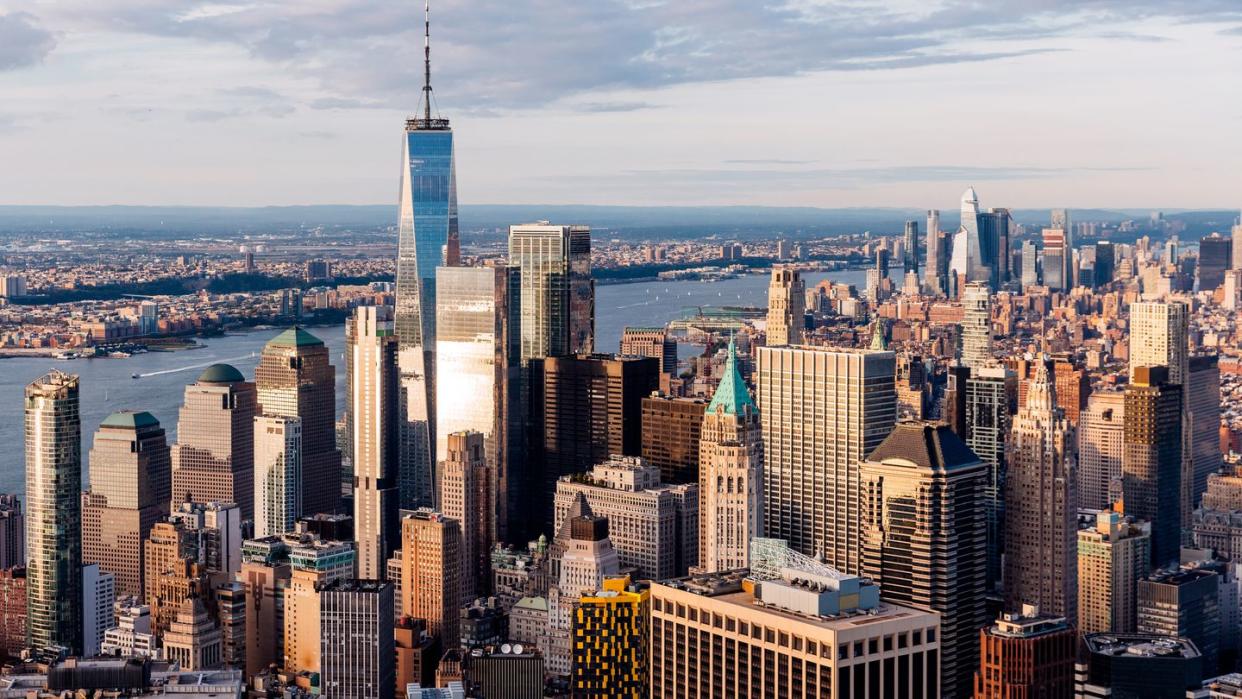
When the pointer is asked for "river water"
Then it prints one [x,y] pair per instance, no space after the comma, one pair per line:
[107,384]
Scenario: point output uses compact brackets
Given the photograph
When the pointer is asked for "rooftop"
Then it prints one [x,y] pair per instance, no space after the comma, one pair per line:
[130,420]
[732,395]
[295,337]
[1143,645]
[221,373]
[927,445]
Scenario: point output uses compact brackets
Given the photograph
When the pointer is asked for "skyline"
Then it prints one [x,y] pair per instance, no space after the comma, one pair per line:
[869,103]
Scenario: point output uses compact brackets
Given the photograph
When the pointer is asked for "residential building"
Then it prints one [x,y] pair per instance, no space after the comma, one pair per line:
[976,328]
[1112,557]
[465,494]
[1026,654]
[611,641]
[375,414]
[98,598]
[12,532]
[431,569]
[650,342]
[13,611]
[1101,442]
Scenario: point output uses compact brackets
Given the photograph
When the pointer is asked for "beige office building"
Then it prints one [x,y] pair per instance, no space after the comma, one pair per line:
[1112,558]
[131,487]
[213,459]
[374,408]
[1101,442]
[464,493]
[823,410]
[786,308]
[278,472]
[431,572]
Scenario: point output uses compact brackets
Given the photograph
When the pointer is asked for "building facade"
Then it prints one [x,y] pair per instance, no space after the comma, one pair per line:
[786,308]
[1101,439]
[278,471]
[213,459]
[357,640]
[1151,464]
[558,293]
[1112,558]
[1026,654]
[374,407]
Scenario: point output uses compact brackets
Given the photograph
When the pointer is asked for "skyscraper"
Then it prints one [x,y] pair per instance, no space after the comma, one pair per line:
[730,474]
[1060,220]
[1026,654]
[427,222]
[935,275]
[357,650]
[1053,258]
[12,532]
[651,342]
[479,389]
[968,262]
[824,409]
[1183,603]
[976,326]
[465,493]
[671,432]
[53,513]
[1203,409]
[213,459]
[584,558]
[1159,333]
[1151,461]
[278,469]
[295,378]
[431,565]
[1215,258]
[994,238]
[911,244]
[1041,526]
[1112,557]
[1030,264]
[1101,436]
[991,397]
[193,641]
[786,307]
[374,407]
[131,489]
[611,630]
[925,535]
[558,294]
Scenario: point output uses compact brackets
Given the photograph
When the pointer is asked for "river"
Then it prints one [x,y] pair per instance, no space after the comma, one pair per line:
[107,384]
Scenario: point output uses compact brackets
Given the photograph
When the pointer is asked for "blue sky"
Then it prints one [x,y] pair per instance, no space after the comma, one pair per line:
[789,102]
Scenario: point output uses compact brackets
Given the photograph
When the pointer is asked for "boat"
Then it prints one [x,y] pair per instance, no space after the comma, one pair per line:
[135,376]
[119,355]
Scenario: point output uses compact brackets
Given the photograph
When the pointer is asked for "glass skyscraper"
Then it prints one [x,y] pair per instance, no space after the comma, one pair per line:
[427,221]
[558,294]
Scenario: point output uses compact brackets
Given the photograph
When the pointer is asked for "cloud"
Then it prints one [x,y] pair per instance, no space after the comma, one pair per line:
[613,106]
[23,42]
[768,161]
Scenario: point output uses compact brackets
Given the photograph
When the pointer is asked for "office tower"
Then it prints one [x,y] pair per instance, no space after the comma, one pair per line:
[1105,263]
[925,528]
[295,378]
[968,262]
[824,410]
[1101,439]
[465,494]
[911,245]
[278,469]
[53,514]
[994,245]
[427,222]
[213,459]
[1060,220]
[651,342]
[584,558]
[558,293]
[230,599]
[1183,603]
[1053,262]
[13,610]
[12,532]
[589,408]
[1215,258]
[265,573]
[654,526]
[731,474]
[671,432]
[359,656]
[1159,337]
[1203,410]
[1026,654]
[194,641]
[1151,460]
[976,329]
[786,308]
[1145,666]
[991,396]
[1030,264]
[936,274]
[793,633]
[479,386]
[313,563]
[611,630]
[374,406]
[1041,506]
[98,598]
[131,489]
[431,565]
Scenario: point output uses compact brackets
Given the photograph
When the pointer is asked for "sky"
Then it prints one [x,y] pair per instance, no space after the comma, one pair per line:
[830,103]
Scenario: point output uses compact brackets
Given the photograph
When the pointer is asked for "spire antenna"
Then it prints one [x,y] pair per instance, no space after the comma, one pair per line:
[427,61]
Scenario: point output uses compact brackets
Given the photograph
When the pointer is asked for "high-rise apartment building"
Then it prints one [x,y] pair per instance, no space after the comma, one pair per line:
[464,493]
[374,408]
[990,398]
[1112,557]
[278,470]
[1026,654]
[479,387]
[824,409]
[651,342]
[589,407]
[731,474]
[925,528]
[295,378]
[671,431]
[131,490]
[936,274]
[910,261]
[53,514]
[13,611]
[654,526]
[611,631]
[213,459]
[1203,413]
[1159,336]
[1151,460]
[431,565]
[1183,603]
[12,532]
[357,640]
[1041,506]
[976,326]
[558,293]
[795,633]
[786,308]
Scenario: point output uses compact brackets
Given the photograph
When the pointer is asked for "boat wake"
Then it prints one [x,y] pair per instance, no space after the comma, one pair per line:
[203,365]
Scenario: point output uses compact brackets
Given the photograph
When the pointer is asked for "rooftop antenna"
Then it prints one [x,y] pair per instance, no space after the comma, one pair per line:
[427,61]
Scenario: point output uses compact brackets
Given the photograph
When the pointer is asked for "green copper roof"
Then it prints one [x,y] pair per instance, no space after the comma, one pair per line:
[878,341]
[295,337]
[220,373]
[731,394]
[130,419]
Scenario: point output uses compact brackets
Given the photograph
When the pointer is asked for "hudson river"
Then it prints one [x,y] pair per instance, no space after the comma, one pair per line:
[107,384]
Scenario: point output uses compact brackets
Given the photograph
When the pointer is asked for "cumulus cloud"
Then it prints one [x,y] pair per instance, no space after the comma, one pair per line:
[23,41]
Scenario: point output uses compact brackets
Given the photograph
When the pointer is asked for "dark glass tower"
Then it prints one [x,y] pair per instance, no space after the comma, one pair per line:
[427,223]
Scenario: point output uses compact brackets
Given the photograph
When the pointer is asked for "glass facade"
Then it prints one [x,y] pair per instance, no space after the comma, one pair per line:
[427,218]
[557,292]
